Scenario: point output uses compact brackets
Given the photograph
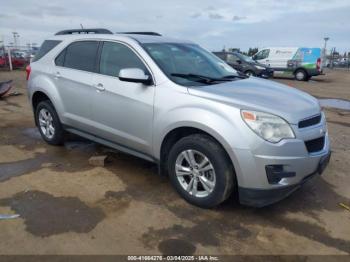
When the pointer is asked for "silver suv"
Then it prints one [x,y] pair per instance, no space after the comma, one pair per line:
[213,131]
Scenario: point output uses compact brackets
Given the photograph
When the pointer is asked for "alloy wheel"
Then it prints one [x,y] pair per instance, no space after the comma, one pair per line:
[195,173]
[46,123]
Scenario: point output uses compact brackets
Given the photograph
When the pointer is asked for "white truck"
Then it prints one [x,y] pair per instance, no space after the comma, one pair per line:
[301,62]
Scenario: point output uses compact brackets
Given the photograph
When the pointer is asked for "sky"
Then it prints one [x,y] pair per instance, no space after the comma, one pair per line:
[212,24]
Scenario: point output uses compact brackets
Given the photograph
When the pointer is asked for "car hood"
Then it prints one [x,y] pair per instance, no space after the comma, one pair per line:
[262,95]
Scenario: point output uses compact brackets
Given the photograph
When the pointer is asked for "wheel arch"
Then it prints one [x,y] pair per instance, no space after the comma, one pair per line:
[41,87]
[250,70]
[300,68]
[176,133]
[37,97]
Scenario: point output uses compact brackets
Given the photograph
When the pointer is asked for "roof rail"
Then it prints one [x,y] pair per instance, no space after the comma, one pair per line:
[84,31]
[140,33]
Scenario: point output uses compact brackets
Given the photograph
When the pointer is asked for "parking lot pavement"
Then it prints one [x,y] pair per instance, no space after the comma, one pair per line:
[67,206]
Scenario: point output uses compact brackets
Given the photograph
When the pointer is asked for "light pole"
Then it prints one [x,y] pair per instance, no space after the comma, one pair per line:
[15,38]
[325,42]
[325,48]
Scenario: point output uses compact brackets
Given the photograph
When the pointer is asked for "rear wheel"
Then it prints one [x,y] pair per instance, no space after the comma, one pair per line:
[48,123]
[201,171]
[301,75]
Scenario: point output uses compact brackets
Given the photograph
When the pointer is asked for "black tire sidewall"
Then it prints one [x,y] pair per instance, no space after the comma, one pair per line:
[57,139]
[252,73]
[218,158]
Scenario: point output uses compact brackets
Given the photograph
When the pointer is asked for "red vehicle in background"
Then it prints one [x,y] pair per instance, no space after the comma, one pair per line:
[17,61]
[2,61]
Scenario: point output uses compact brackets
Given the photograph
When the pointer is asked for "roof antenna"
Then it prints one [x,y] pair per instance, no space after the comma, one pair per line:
[81,25]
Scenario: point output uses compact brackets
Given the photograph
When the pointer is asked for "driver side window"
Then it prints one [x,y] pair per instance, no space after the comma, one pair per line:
[116,56]
[263,54]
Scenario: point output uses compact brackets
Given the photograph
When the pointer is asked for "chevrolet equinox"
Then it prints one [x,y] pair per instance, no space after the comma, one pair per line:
[212,130]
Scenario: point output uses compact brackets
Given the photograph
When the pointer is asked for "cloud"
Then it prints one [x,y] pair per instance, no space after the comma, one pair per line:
[195,15]
[232,23]
[215,16]
[238,18]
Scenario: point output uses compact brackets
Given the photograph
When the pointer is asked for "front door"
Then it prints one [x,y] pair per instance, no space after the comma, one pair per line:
[263,57]
[235,62]
[122,111]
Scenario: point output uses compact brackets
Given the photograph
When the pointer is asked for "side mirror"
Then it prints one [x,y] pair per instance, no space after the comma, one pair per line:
[239,62]
[135,75]
[254,57]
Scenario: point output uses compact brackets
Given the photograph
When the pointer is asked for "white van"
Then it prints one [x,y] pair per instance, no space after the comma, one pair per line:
[301,62]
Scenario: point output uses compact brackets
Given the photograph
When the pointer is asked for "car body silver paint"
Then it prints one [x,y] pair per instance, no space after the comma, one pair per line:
[138,117]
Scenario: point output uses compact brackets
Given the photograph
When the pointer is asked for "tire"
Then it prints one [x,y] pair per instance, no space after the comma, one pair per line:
[219,181]
[249,73]
[55,136]
[301,75]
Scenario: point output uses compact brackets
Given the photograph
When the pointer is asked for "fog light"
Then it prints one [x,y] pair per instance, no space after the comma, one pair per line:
[275,173]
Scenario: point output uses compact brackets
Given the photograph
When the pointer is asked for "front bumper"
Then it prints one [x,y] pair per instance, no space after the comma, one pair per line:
[266,73]
[263,197]
[268,172]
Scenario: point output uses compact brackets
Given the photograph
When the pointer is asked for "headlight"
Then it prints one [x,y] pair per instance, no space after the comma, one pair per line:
[260,67]
[270,127]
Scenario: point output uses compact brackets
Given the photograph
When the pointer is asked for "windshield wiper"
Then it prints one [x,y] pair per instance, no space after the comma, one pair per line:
[239,75]
[200,78]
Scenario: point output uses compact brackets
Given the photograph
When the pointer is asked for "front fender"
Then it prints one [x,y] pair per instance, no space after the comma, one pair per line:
[223,127]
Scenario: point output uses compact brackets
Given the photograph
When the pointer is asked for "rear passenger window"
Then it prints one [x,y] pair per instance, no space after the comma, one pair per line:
[81,55]
[46,47]
[115,56]
[221,56]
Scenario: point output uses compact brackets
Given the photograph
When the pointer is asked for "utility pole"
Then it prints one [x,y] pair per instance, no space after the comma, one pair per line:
[325,48]
[15,39]
[9,57]
[325,42]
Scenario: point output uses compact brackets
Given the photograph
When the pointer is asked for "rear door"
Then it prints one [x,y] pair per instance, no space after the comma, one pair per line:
[235,62]
[122,111]
[73,76]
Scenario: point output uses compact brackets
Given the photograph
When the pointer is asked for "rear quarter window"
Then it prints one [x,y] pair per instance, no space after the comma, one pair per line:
[46,47]
[221,55]
[80,55]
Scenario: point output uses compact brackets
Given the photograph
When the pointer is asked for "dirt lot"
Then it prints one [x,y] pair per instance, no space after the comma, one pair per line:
[67,206]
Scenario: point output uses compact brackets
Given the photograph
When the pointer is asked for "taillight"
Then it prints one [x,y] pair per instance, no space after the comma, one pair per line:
[28,70]
[318,64]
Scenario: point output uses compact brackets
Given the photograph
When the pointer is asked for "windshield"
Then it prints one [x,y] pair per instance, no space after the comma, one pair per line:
[189,64]
[245,58]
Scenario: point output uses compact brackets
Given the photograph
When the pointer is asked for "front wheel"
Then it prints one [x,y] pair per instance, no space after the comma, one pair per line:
[201,171]
[249,73]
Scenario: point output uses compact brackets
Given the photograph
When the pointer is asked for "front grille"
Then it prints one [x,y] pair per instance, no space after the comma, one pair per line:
[315,145]
[310,121]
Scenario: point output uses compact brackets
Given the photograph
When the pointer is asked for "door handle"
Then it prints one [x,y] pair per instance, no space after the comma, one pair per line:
[100,87]
[57,75]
